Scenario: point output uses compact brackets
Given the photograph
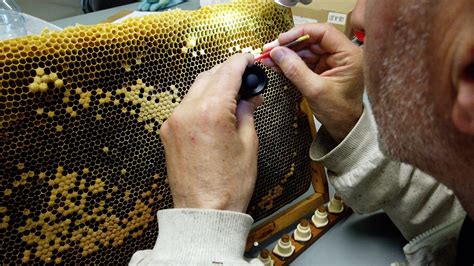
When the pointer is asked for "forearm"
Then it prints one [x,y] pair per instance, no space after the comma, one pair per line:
[196,237]
[368,180]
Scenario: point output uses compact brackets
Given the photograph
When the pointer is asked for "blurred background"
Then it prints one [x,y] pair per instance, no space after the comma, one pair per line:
[51,10]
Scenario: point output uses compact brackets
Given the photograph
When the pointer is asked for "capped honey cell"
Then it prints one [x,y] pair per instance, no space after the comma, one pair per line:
[83,166]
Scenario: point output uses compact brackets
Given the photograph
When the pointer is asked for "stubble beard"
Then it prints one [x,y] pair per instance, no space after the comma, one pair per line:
[404,108]
[410,127]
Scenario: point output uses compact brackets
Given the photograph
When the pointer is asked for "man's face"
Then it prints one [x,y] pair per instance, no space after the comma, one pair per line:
[410,52]
[397,62]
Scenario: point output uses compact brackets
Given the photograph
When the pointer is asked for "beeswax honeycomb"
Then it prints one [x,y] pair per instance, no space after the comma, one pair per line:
[82,166]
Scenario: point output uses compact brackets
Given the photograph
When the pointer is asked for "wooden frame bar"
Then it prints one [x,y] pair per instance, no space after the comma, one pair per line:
[302,208]
[316,233]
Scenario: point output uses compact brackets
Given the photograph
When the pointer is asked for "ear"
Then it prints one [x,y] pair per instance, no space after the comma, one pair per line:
[463,111]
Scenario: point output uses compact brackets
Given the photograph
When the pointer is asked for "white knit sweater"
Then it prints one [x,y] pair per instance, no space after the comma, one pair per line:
[425,211]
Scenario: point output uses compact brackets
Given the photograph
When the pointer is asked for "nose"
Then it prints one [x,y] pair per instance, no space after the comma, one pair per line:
[358,17]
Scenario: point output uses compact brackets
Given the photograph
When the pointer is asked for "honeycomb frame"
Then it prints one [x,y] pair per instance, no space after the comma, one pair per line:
[82,165]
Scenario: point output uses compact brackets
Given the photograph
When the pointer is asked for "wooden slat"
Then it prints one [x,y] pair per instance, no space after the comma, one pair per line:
[318,173]
[284,219]
[319,180]
[301,209]
[304,107]
[300,247]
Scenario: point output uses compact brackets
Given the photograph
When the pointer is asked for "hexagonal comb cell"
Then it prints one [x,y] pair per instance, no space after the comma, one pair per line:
[83,169]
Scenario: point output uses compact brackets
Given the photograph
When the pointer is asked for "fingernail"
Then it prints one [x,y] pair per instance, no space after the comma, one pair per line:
[270,45]
[268,62]
[277,55]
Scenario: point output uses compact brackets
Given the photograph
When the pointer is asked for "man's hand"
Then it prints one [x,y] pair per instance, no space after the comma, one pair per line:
[327,69]
[210,142]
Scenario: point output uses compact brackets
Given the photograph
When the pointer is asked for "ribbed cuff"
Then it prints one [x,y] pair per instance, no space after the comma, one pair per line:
[201,236]
[340,158]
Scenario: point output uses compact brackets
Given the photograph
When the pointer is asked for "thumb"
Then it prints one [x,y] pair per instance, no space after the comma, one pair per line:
[246,123]
[296,70]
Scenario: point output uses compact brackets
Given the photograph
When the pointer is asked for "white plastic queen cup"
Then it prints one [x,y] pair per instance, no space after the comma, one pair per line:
[12,22]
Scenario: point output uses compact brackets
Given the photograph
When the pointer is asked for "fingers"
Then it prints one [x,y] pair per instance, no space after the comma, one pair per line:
[316,32]
[268,62]
[329,38]
[307,55]
[322,66]
[324,39]
[200,84]
[236,64]
[271,45]
[228,77]
[222,80]
[296,70]
[256,101]
[246,123]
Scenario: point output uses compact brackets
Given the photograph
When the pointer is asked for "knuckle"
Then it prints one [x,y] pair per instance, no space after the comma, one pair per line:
[201,110]
[291,70]
[165,131]
[328,26]
[313,95]
[210,113]
[172,123]
[207,114]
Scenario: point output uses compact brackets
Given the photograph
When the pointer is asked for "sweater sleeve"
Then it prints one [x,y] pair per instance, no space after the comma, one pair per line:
[198,237]
[368,181]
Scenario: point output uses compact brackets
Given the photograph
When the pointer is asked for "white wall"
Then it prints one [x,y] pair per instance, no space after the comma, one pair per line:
[51,10]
